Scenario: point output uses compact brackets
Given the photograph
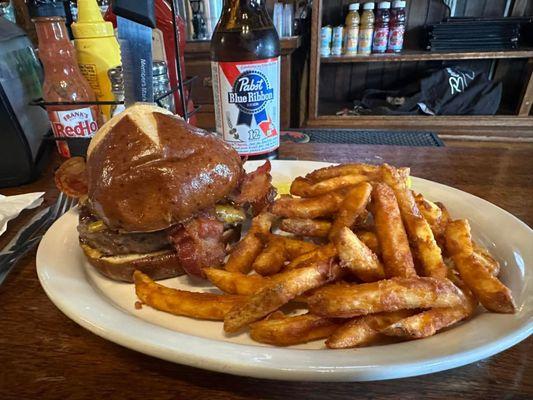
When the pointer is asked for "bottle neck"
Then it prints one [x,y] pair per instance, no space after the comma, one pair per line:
[51,31]
[55,47]
[243,3]
[244,12]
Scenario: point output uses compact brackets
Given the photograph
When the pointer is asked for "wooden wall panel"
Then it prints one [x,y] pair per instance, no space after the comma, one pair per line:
[480,8]
[512,73]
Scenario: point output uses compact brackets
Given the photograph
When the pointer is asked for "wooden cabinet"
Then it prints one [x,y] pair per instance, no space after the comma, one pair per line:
[197,62]
[336,81]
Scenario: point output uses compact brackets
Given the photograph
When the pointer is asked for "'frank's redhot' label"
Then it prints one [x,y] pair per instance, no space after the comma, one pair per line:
[246,97]
[78,123]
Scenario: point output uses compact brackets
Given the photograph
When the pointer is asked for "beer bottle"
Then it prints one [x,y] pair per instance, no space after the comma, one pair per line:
[245,68]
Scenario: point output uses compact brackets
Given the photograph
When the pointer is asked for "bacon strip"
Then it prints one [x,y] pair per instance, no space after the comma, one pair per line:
[256,189]
[71,177]
[199,243]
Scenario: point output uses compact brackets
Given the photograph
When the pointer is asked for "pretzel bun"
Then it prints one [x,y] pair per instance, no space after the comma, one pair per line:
[148,170]
[158,265]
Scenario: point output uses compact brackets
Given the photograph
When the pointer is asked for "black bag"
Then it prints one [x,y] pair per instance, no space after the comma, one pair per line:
[449,91]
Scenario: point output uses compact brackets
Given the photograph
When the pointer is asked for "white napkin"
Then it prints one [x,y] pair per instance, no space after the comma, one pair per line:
[11,206]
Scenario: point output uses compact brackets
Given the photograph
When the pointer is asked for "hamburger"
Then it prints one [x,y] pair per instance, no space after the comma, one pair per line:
[160,196]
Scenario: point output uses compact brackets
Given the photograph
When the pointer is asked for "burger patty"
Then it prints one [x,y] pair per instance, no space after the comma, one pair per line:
[110,242]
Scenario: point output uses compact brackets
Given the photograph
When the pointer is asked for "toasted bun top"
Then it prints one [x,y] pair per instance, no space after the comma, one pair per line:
[148,170]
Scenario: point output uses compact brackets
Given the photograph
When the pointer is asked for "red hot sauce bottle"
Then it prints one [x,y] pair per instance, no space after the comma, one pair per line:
[63,80]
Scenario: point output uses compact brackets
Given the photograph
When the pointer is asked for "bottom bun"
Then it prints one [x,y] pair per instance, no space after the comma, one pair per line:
[158,265]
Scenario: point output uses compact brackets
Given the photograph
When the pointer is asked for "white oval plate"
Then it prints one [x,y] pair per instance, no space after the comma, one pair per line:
[106,308]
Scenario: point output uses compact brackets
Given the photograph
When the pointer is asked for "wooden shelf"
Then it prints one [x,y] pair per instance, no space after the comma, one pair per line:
[287,45]
[412,55]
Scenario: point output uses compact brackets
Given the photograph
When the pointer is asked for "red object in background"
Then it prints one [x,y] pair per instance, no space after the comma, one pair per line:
[163,15]
[397,27]
[64,82]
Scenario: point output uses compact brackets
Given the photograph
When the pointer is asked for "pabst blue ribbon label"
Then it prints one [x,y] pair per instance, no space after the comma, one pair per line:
[247,104]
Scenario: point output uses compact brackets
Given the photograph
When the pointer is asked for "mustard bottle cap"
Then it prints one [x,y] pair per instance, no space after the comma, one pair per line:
[90,23]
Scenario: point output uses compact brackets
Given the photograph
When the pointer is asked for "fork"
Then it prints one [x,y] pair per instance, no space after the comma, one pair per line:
[8,261]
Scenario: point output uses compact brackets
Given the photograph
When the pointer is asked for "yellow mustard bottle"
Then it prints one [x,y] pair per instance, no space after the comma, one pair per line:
[97,50]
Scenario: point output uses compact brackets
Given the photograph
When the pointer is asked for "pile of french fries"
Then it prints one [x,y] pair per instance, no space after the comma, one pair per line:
[370,261]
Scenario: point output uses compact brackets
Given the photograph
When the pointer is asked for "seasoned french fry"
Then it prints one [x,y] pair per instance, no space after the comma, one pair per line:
[446,218]
[295,247]
[364,331]
[343,169]
[395,250]
[180,302]
[370,240]
[485,258]
[432,214]
[235,282]
[322,253]
[418,229]
[306,227]
[288,331]
[305,188]
[289,285]
[353,205]
[429,322]
[316,207]
[493,294]
[244,253]
[345,301]
[358,258]
[271,259]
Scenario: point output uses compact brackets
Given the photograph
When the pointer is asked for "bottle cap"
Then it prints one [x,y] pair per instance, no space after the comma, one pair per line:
[398,4]
[46,8]
[384,4]
[368,6]
[90,23]
[353,7]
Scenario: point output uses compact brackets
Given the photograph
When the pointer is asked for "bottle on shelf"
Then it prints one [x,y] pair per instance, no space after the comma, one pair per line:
[397,27]
[326,33]
[351,30]
[336,43]
[245,63]
[381,28]
[278,18]
[63,80]
[366,30]
[97,50]
[288,19]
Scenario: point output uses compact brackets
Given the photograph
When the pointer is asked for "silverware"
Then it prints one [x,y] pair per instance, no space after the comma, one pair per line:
[32,233]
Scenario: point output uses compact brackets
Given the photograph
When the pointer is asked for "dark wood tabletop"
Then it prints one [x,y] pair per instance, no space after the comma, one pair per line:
[43,354]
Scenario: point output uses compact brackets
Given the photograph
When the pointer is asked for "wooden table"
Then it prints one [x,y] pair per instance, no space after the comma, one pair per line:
[45,355]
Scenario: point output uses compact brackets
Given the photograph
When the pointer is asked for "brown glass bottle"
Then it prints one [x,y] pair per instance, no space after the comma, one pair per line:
[246,78]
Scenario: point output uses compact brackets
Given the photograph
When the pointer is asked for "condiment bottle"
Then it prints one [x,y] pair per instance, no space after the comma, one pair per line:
[397,27]
[161,85]
[63,80]
[381,28]
[366,30]
[352,30]
[117,87]
[97,49]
